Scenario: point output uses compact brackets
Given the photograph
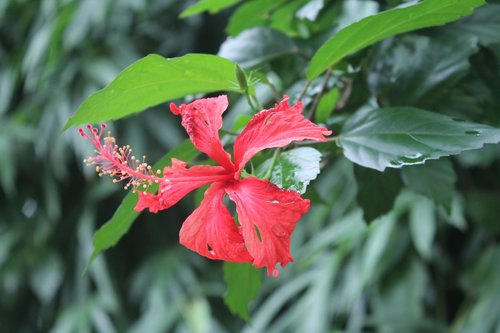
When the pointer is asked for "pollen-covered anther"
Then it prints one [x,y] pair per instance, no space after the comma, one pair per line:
[116,161]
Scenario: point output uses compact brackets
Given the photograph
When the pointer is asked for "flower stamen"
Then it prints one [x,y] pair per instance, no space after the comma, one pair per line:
[118,162]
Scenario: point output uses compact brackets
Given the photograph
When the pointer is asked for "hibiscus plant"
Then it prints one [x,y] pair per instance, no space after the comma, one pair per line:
[282,135]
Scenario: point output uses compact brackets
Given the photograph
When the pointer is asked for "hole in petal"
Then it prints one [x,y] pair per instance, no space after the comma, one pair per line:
[210,249]
[231,206]
[236,220]
[257,231]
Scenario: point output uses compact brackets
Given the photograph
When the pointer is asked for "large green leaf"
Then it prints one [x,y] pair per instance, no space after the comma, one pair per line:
[394,137]
[110,233]
[293,169]
[154,80]
[434,179]
[212,6]
[243,283]
[389,23]
[256,45]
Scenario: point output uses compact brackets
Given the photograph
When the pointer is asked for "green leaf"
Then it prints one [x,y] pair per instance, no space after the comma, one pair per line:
[310,10]
[293,169]
[394,137]
[241,121]
[255,46]
[378,239]
[436,65]
[482,208]
[422,225]
[251,14]
[483,24]
[435,179]
[154,80]
[326,105]
[243,284]
[385,24]
[284,18]
[377,191]
[110,233]
[212,6]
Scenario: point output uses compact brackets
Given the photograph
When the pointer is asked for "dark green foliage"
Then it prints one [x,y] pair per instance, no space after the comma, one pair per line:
[377,191]
[427,261]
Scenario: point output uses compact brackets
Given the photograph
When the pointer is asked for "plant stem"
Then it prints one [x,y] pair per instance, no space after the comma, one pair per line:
[273,162]
[324,86]
[249,101]
[226,132]
[302,54]
[256,100]
[304,90]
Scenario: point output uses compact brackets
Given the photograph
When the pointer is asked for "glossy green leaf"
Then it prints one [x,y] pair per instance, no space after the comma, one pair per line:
[385,24]
[435,179]
[154,80]
[212,6]
[377,191]
[394,137]
[293,169]
[110,233]
[243,284]
[251,14]
[255,46]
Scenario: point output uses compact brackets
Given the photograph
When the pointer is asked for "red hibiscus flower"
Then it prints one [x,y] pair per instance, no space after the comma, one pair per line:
[266,213]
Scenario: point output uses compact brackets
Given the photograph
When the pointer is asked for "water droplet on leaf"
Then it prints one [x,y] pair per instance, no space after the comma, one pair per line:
[472,132]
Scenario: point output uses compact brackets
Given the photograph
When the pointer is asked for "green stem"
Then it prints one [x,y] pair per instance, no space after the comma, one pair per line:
[249,101]
[256,100]
[273,162]
[226,132]
[324,87]
[302,54]
[304,90]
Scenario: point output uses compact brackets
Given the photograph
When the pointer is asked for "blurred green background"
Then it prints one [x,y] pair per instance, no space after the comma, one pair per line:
[416,269]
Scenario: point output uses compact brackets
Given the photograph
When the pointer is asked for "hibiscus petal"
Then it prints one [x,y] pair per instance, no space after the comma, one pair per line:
[202,120]
[177,182]
[211,231]
[267,215]
[276,127]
